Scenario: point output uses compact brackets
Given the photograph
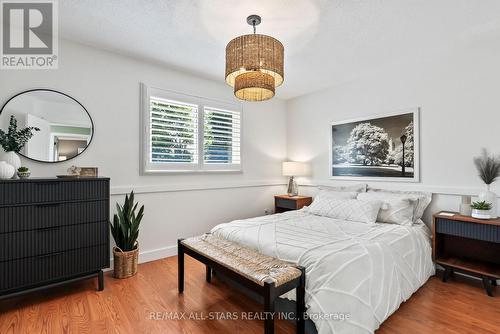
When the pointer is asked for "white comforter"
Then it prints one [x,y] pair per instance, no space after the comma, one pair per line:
[357,275]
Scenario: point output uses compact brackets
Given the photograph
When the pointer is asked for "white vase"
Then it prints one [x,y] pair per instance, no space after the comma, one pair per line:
[7,171]
[490,197]
[12,158]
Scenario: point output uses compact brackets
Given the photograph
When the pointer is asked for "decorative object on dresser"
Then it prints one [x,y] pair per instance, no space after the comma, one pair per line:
[23,172]
[488,167]
[64,127]
[384,147]
[7,171]
[125,231]
[52,231]
[467,244]
[13,141]
[284,203]
[291,169]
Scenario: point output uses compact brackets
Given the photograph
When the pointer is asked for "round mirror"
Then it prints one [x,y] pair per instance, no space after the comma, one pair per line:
[65,126]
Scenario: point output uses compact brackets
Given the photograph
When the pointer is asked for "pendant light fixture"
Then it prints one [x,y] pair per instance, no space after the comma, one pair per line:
[254,64]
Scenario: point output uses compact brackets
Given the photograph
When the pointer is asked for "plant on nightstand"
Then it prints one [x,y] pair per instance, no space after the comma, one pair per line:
[481,210]
[488,167]
[125,231]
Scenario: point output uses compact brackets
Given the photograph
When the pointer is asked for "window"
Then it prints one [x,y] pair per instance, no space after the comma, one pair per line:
[188,133]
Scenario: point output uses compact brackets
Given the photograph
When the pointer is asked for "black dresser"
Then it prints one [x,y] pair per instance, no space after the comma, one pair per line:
[52,231]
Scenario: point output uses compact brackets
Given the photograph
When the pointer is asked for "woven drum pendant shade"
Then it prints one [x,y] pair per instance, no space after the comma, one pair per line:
[254,86]
[254,66]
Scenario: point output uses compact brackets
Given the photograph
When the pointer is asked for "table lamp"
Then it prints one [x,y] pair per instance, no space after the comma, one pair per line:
[291,169]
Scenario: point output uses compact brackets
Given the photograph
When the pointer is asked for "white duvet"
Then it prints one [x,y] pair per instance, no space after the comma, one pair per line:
[357,275]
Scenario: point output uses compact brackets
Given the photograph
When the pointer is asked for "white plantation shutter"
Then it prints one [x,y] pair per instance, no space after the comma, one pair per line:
[184,133]
[222,137]
[174,132]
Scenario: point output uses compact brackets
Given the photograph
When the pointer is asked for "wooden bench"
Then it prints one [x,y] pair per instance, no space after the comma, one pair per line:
[265,275]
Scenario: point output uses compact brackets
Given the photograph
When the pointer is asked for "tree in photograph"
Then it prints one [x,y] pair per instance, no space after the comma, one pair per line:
[368,145]
[339,155]
[409,147]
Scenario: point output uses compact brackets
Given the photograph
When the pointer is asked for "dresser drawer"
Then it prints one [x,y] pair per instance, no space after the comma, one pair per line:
[26,192]
[18,245]
[34,271]
[285,203]
[483,232]
[31,217]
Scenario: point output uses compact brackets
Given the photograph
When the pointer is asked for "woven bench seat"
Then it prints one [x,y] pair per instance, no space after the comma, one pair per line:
[265,275]
[247,262]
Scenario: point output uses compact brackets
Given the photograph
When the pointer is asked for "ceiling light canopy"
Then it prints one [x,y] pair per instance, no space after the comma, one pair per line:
[254,64]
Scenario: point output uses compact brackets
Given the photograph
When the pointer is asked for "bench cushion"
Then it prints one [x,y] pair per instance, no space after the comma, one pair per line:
[251,264]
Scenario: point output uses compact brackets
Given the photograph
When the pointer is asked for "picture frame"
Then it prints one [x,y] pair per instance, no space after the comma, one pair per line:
[370,148]
[89,172]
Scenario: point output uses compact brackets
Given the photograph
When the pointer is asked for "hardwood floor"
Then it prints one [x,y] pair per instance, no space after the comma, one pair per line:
[126,306]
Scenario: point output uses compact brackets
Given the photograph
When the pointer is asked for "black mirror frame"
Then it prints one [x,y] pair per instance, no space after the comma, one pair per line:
[58,92]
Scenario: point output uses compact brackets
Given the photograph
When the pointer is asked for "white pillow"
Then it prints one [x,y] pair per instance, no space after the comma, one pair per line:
[355,187]
[423,199]
[327,195]
[346,209]
[394,210]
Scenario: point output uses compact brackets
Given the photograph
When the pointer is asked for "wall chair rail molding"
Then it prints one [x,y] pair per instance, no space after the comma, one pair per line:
[145,189]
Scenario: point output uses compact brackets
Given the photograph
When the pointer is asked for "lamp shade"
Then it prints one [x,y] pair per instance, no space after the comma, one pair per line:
[293,168]
[254,64]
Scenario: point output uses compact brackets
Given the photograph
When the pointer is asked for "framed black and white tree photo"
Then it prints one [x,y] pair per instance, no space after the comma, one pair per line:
[382,148]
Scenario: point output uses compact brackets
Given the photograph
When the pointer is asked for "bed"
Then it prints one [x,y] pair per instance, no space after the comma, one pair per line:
[357,274]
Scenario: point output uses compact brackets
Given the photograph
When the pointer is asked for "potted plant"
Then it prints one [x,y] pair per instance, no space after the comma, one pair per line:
[481,210]
[23,172]
[13,141]
[488,167]
[125,230]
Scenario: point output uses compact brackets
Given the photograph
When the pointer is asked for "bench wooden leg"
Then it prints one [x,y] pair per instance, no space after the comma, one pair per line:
[269,300]
[301,303]
[208,274]
[180,266]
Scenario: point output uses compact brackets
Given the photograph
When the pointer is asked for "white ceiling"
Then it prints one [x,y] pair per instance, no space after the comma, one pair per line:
[326,42]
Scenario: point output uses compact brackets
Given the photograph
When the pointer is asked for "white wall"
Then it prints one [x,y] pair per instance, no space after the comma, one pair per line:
[457,89]
[176,205]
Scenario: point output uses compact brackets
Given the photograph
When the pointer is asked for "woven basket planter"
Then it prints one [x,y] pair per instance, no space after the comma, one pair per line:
[125,263]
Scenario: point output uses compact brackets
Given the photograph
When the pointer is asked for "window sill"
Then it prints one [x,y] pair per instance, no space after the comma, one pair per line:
[205,171]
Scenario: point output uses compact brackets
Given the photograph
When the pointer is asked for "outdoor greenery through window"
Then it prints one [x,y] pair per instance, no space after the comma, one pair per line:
[185,133]
[174,130]
[221,137]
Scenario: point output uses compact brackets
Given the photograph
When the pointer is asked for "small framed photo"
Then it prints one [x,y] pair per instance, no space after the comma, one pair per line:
[89,172]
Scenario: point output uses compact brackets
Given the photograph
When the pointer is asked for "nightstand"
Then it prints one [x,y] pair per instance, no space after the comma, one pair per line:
[469,245]
[284,203]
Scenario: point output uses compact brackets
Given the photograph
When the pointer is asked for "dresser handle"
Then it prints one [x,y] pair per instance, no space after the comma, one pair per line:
[48,255]
[48,205]
[52,183]
[52,228]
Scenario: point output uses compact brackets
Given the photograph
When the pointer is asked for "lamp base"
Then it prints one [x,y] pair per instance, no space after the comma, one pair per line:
[293,189]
